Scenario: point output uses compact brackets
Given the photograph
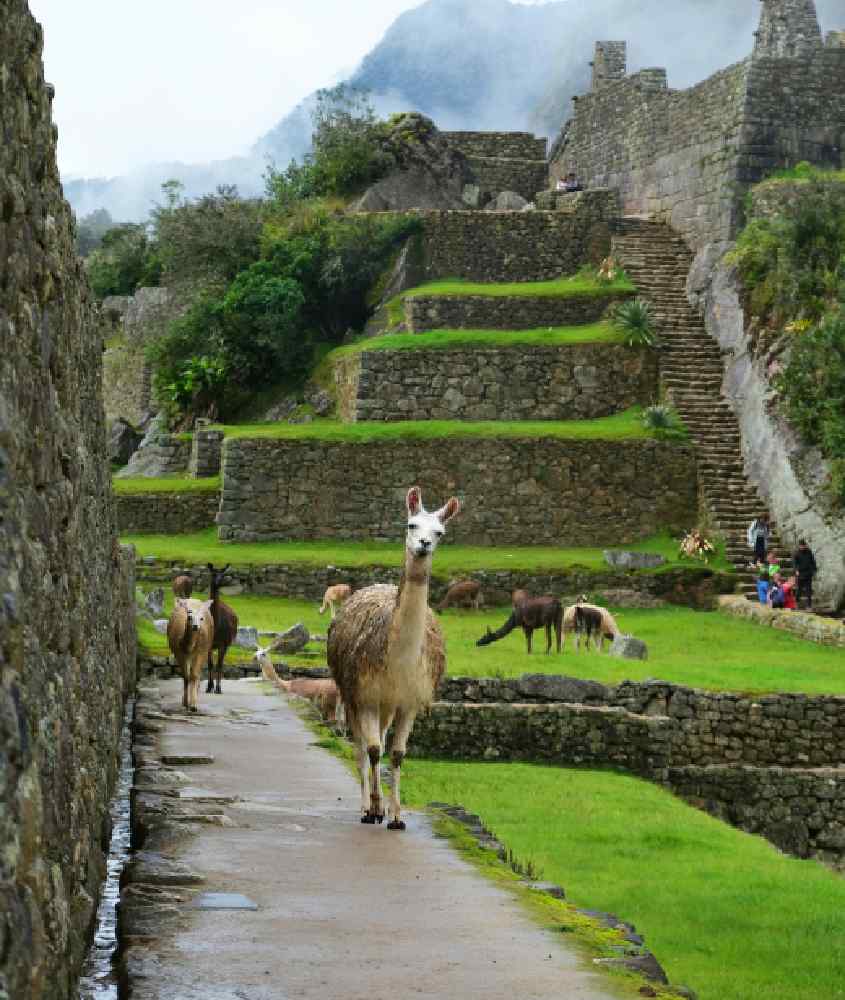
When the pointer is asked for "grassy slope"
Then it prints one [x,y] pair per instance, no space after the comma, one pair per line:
[576,286]
[623,426]
[708,650]
[452,560]
[169,484]
[724,912]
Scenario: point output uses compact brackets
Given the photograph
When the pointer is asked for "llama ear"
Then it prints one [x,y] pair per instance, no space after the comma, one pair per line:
[414,501]
[449,510]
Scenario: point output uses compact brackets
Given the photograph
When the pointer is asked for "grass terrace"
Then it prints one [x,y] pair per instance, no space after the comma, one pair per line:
[201,547]
[168,484]
[724,912]
[699,649]
[575,286]
[623,426]
[444,340]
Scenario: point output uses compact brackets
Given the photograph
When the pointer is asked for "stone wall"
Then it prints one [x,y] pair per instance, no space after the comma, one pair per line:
[67,640]
[574,382]
[206,446]
[696,587]
[500,312]
[513,145]
[517,491]
[166,513]
[813,628]
[517,246]
[790,477]
[159,455]
[495,174]
[688,157]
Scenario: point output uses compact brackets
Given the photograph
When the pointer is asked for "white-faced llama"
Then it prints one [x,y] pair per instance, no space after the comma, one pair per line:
[386,654]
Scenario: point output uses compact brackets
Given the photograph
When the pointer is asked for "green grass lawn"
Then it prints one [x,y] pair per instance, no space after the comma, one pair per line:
[723,911]
[202,547]
[623,426]
[167,484]
[574,286]
[442,340]
[699,649]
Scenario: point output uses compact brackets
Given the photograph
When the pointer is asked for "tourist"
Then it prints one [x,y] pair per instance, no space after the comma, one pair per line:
[790,602]
[805,569]
[762,583]
[572,183]
[777,597]
[759,534]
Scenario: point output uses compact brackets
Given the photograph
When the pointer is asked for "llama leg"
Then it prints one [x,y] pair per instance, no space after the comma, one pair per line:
[364,771]
[221,653]
[528,633]
[548,638]
[370,736]
[185,683]
[210,686]
[401,732]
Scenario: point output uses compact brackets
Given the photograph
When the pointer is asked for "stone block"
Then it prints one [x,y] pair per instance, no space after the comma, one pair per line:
[633,560]
[626,647]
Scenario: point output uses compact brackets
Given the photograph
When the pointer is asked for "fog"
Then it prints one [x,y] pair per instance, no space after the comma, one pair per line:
[206,91]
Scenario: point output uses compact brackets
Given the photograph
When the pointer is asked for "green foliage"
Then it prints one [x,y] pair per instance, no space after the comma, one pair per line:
[91,229]
[793,264]
[348,151]
[585,285]
[812,392]
[664,422]
[634,319]
[805,171]
[125,260]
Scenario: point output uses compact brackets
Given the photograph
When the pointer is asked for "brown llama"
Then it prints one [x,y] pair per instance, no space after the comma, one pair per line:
[386,653]
[321,692]
[190,631]
[225,628]
[183,586]
[465,594]
[335,595]
[530,613]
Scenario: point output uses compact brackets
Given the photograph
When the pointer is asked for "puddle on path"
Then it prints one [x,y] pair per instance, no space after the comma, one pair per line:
[98,981]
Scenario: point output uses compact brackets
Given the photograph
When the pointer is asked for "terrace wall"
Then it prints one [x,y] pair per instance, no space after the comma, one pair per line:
[496,174]
[518,246]
[575,382]
[511,145]
[166,513]
[517,491]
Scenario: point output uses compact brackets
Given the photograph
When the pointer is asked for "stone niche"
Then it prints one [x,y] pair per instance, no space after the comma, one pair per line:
[575,382]
[67,632]
[527,491]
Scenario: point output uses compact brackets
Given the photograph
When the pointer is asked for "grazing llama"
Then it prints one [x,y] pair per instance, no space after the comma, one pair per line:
[225,628]
[335,595]
[465,594]
[322,693]
[530,613]
[183,586]
[609,629]
[588,623]
[190,632]
[386,653]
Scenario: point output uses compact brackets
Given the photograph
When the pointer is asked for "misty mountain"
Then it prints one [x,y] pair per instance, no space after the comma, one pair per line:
[479,64]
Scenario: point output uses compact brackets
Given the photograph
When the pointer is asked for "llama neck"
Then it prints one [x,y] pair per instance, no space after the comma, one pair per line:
[409,619]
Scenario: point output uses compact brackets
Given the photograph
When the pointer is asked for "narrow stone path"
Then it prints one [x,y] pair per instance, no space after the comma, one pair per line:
[658,261]
[344,911]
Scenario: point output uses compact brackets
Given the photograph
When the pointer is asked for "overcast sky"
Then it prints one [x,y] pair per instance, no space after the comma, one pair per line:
[191,80]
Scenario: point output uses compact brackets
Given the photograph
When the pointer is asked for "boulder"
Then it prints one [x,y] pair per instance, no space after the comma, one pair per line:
[556,689]
[154,602]
[247,637]
[626,647]
[633,560]
[427,172]
[160,625]
[296,638]
[507,201]
[319,400]
[123,441]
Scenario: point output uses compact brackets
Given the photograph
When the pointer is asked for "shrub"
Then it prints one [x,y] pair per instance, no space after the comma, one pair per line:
[664,422]
[694,545]
[635,320]
[125,260]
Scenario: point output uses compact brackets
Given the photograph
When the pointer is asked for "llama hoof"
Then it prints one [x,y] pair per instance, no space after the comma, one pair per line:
[217,690]
[396,824]
[209,689]
[368,818]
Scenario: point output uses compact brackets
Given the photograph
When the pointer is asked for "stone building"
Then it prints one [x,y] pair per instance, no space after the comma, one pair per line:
[67,639]
[688,157]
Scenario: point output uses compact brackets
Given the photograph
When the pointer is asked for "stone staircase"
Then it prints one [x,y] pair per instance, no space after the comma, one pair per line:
[658,261]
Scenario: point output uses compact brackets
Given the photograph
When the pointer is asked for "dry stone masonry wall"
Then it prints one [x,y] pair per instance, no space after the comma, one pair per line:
[500,312]
[562,492]
[510,145]
[166,513]
[67,640]
[577,382]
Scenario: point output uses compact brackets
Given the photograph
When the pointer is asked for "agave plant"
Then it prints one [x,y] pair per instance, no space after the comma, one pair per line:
[663,421]
[635,319]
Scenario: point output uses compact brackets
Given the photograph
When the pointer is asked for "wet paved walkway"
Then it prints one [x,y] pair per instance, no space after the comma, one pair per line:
[345,911]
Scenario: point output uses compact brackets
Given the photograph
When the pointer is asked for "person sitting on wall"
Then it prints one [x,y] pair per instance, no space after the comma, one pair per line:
[561,184]
[572,183]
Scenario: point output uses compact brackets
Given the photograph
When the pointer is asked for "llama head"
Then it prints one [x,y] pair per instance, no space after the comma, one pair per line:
[426,529]
[201,614]
[485,640]
[218,576]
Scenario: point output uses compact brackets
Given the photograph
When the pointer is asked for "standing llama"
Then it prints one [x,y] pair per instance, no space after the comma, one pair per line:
[190,632]
[530,613]
[225,628]
[386,653]
[465,594]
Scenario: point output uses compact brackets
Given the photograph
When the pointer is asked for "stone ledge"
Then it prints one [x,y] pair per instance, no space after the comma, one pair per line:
[813,628]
